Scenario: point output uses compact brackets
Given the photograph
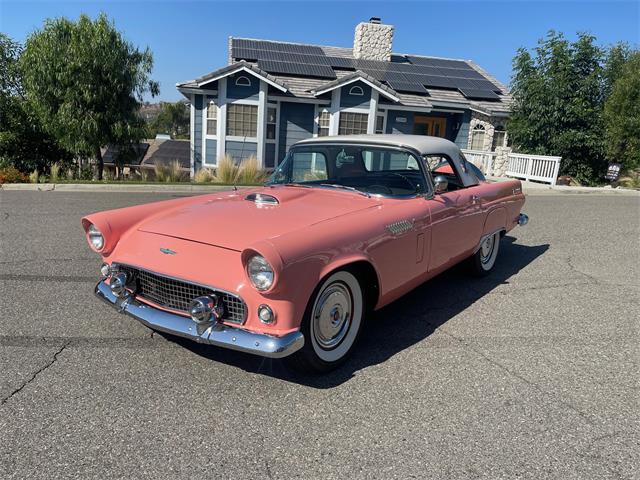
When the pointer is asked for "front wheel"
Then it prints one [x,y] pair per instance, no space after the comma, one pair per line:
[482,262]
[331,323]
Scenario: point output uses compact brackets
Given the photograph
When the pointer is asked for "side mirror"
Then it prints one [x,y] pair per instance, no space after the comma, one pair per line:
[440,183]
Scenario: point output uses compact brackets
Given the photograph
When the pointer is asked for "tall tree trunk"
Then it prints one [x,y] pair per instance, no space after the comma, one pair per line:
[100,162]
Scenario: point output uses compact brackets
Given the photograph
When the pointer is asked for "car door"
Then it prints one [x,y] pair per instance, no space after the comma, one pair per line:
[456,217]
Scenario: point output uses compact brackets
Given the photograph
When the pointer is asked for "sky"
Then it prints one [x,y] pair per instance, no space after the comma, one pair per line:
[189,39]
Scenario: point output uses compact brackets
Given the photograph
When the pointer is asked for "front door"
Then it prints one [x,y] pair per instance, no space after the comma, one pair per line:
[434,126]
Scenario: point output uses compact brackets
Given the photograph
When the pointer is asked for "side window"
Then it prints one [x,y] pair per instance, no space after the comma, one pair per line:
[308,166]
[441,165]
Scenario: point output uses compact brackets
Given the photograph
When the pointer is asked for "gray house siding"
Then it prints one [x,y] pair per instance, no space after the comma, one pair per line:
[348,100]
[241,150]
[399,121]
[197,132]
[240,92]
[296,123]
[462,137]
[270,155]
[211,153]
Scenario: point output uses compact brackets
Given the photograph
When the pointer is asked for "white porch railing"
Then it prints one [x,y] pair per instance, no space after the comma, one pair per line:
[481,159]
[533,167]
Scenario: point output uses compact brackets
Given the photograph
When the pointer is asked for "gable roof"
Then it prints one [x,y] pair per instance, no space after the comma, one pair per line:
[236,67]
[358,75]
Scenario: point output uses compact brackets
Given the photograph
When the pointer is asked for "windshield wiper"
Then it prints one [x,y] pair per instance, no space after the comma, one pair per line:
[345,187]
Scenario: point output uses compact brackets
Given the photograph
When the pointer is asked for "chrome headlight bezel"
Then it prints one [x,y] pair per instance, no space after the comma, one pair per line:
[95,238]
[260,273]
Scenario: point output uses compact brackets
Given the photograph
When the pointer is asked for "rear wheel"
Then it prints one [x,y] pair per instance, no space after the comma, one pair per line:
[482,262]
[331,324]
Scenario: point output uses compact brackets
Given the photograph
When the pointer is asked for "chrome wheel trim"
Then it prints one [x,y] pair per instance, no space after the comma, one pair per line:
[489,251]
[338,344]
[332,316]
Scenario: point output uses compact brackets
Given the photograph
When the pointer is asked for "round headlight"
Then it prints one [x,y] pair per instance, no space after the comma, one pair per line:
[260,273]
[95,237]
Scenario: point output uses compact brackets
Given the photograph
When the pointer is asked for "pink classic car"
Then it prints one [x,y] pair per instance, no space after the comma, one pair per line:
[345,226]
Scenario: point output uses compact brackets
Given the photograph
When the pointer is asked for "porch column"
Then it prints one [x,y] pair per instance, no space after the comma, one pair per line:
[221,131]
[334,119]
[192,125]
[262,122]
[373,112]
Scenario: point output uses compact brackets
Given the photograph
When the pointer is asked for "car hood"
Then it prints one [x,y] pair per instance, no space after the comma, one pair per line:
[230,220]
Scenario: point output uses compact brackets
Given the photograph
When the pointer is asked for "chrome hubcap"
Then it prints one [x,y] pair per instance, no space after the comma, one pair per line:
[486,249]
[332,315]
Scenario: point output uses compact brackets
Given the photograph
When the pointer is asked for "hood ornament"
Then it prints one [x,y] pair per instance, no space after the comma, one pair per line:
[168,251]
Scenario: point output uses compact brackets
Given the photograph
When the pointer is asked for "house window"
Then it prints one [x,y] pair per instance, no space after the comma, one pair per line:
[499,135]
[352,123]
[271,123]
[323,123]
[477,137]
[243,81]
[380,123]
[356,90]
[242,120]
[212,118]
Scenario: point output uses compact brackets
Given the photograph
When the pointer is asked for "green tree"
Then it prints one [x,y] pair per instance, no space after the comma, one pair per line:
[23,143]
[172,119]
[622,115]
[558,96]
[85,82]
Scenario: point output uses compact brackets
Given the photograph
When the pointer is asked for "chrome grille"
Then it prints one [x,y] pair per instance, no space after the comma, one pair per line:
[176,294]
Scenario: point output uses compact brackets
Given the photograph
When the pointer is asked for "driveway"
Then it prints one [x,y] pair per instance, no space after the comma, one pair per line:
[530,373]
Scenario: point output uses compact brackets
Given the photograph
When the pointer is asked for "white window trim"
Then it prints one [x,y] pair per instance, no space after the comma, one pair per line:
[236,138]
[277,107]
[205,119]
[356,91]
[364,111]
[316,118]
[243,77]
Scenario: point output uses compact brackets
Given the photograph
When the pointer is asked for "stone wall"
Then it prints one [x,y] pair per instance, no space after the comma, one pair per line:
[373,41]
[500,162]
[489,124]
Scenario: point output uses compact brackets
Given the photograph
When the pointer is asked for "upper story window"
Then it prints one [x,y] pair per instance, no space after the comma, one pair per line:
[380,123]
[477,137]
[242,120]
[323,123]
[356,90]
[243,81]
[272,115]
[212,118]
[499,137]
[352,123]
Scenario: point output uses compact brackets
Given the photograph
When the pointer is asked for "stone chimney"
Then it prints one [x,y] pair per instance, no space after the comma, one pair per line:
[373,40]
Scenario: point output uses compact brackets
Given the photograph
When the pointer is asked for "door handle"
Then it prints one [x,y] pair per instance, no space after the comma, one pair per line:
[475,199]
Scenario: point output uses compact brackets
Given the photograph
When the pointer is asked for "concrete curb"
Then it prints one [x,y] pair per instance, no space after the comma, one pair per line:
[113,187]
[528,188]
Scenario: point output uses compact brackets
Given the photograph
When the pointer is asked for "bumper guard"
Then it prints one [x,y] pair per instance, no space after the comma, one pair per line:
[213,334]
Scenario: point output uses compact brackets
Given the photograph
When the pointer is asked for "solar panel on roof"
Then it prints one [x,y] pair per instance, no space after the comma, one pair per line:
[430,80]
[305,69]
[342,62]
[479,94]
[407,87]
[438,62]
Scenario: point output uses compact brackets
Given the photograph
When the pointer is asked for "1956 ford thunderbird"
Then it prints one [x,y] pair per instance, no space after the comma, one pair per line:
[345,226]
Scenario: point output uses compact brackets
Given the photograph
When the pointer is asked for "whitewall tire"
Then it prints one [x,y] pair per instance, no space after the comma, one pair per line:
[483,261]
[332,323]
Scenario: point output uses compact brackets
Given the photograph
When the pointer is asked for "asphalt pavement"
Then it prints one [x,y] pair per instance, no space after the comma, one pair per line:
[532,372]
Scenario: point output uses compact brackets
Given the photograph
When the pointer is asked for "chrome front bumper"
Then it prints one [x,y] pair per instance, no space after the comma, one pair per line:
[214,334]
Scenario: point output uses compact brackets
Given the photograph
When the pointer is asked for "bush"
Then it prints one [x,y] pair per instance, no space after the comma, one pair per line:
[34,176]
[249,172]
[203,175]
[169,173]
[55,172]
[11,174]
[227,171]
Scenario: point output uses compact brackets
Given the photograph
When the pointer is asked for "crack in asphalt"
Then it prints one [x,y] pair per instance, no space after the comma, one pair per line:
[537,387]
[90,342]
[34,375]
[48,278]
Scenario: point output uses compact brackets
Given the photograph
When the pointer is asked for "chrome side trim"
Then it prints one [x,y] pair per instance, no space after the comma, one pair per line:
[214,334]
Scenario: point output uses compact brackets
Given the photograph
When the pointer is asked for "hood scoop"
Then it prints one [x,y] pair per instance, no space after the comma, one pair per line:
[262,199]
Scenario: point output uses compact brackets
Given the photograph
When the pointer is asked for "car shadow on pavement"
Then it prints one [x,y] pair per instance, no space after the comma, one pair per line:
[397,326]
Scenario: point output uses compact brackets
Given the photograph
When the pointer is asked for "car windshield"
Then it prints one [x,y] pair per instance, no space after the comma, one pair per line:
[371,170]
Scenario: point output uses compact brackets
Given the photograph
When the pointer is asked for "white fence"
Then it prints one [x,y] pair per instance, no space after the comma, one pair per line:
[533,167]
[482,160]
